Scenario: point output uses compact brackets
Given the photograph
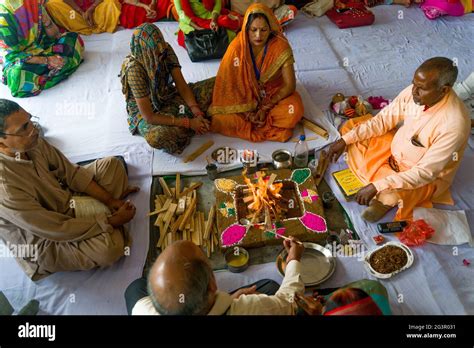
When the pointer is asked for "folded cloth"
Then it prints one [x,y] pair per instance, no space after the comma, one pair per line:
[451,227]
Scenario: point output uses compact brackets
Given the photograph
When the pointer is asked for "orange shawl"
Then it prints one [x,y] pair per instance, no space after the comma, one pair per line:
[236,89]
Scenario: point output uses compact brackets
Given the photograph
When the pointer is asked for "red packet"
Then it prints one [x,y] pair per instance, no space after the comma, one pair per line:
[416,233]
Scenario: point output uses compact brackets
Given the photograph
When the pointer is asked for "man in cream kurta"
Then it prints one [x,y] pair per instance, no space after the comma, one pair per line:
[37,184]
[408,154]
[184,260]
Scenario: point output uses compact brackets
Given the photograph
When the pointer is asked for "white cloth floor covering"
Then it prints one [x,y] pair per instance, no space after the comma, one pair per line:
[85,117]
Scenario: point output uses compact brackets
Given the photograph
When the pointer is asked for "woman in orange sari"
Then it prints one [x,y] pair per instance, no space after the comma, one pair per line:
[254,95]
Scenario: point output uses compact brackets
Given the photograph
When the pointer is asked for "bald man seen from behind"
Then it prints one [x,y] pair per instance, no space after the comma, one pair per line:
[181,282]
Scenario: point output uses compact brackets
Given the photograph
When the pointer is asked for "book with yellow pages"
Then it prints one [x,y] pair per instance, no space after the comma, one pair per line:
[348,183]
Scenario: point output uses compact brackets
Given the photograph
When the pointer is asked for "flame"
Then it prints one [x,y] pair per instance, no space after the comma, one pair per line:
[265,195]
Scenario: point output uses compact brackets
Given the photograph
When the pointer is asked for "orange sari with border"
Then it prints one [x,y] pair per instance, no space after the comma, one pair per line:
[237,90]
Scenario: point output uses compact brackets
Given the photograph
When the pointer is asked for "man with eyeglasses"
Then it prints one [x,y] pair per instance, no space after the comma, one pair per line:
[407,155]
[38,189]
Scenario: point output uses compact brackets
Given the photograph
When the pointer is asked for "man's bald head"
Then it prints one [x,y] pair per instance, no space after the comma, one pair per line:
[181,281]
[444,68]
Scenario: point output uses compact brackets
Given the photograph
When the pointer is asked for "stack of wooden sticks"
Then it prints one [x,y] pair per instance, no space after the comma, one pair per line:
[179,219]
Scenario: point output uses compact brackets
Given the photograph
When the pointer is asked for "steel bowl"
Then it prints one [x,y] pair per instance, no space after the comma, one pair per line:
[282,159]
[236,259]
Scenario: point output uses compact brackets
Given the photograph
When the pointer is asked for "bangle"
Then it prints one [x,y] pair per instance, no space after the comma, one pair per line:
[186,123]
[47,61]
[172,120]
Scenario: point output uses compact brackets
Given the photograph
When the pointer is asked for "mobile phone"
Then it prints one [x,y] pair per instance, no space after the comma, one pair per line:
[392,227]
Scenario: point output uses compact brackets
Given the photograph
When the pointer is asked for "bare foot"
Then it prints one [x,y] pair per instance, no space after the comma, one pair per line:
[130,190]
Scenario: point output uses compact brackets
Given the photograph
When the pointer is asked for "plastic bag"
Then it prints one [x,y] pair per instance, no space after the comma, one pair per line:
[416,233]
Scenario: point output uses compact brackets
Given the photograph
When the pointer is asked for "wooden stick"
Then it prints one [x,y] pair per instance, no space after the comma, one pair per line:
[189,211]
[284,237]
[271,180]
[195,234]
[178,185]
[209,223]
[190,189]
[191,223]
[159,221]
[163,209]
[248,199]
[176,224]
[181,206]
[322,166]
[199,151]
[165,187]
[315,128]
[158,204]
[202,226]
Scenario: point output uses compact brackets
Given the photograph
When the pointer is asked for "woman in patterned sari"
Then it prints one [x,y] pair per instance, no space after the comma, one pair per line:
[254,96]
[36,55]
[161,106]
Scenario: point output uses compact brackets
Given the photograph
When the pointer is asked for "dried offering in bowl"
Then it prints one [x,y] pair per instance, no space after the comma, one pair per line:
[388,259]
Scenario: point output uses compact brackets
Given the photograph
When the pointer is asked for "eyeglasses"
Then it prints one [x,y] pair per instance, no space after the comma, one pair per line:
[27,132]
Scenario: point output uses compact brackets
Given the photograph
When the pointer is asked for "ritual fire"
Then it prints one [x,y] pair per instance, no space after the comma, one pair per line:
[267,201]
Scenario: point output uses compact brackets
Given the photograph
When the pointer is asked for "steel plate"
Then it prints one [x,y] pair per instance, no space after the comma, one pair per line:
[317,264]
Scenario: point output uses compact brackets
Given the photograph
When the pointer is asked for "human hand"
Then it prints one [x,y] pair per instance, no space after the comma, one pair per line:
[150,13]
[309,304]
[244,291]
[336,149]
[200,125]
[123,215]
[257,118]
[55,62]
[260,118]
[195,26]
[365,194]
[294,249]
[196,110]
[115,204]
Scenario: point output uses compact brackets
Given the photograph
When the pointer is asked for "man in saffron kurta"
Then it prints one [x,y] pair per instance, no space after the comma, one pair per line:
[408,154]
[254,95]
[38,187]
